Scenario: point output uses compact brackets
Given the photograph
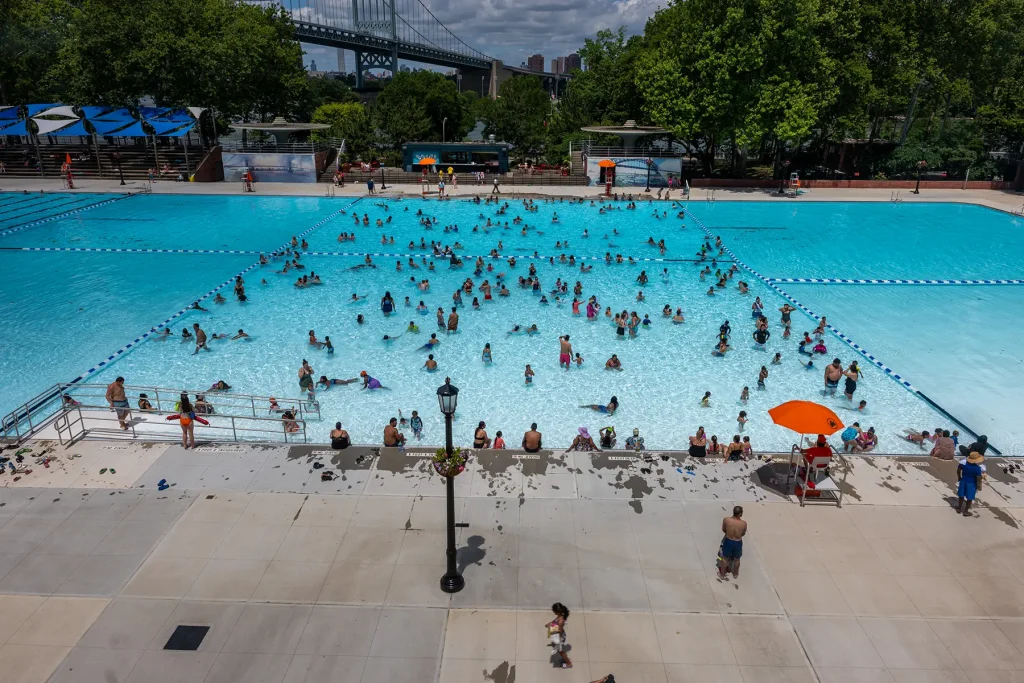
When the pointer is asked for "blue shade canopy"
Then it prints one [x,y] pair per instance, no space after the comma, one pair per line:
[77,128]
[164,127]
[133,131]
[153,112]
[34,109]
[116,115]
[181,131]
[104,127]
[96,112]
[9,112]
[15,129]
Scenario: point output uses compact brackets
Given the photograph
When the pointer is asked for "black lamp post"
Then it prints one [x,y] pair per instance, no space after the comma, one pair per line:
[117,158]
[448,399]
[383,183]
[648,188]
[920,167]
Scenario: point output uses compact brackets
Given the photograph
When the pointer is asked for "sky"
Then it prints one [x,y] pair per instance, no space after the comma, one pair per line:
[512,30]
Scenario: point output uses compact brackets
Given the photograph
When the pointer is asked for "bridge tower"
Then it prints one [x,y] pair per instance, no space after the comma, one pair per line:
[377,60]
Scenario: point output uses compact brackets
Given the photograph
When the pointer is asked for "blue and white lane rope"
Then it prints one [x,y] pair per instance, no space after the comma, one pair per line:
[129,250]
[88,207]
[857,347]
[135,342]
[855,281]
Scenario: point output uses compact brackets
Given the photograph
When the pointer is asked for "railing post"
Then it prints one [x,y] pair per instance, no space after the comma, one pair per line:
[234,434]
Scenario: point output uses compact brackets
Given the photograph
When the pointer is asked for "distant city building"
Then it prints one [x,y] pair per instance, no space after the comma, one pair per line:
[554,66]
[572,62]
[535,63]
[312,65]
[561,66]
[341,60]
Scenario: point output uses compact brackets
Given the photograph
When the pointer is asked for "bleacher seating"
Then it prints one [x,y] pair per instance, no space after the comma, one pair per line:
[136,160]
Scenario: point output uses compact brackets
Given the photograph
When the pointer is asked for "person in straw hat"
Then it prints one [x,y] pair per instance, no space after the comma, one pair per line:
[969,471]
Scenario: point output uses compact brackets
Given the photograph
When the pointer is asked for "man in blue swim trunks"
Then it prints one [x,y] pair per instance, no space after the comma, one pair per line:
[734,528]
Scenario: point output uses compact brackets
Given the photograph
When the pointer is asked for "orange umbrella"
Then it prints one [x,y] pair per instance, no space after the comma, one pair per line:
[67,158]
[428,161]
[606,163]
[805,417]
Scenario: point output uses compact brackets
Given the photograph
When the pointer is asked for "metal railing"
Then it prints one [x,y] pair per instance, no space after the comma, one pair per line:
[237,413]
[272,147]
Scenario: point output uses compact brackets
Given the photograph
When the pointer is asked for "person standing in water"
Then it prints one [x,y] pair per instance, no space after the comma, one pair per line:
[565,352]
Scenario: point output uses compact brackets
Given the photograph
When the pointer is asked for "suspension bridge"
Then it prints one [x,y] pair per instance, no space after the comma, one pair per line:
[381,32]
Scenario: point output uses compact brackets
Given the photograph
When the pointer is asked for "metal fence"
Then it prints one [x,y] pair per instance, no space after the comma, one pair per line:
[75,409]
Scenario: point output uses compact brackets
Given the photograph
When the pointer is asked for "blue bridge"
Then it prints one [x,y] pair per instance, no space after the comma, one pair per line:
[381,32]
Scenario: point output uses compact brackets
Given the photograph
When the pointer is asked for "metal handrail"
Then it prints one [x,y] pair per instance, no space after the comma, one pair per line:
[41,410]
[223,423]
[321,145]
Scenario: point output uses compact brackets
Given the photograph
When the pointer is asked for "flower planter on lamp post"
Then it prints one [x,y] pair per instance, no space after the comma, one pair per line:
[449,463]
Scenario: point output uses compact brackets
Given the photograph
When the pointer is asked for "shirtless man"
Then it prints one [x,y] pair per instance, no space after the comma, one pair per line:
[832,374]
[532,439]
[392,437]
[565,352]
[453,321]
[118,401]
[200,339]
[734,528]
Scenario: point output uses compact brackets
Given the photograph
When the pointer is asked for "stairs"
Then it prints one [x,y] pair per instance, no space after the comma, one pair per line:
[576,163]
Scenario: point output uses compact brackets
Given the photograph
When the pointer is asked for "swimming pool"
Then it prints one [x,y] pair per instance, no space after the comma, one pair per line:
[667,368]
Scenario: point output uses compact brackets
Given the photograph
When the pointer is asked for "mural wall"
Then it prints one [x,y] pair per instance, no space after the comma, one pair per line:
[270,168]
[632,171]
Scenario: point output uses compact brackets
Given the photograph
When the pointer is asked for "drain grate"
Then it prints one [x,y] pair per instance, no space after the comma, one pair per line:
[187,638]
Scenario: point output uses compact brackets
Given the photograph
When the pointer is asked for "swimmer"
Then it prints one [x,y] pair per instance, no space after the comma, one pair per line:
[356,297]
[809,365]
[313,341]
[745,395]
[706,401]
[328,383]
[613,363]
[389,338]
[486,355]
[413,328]
[609,409]
[370,382]
[528,374]
[578,360]
[678,317]
[219,385]
[196,307]
[431,364]
[219,299]
[722,347]
[761,377]
[241,335]
[328,345]
[777,360]
[741,420]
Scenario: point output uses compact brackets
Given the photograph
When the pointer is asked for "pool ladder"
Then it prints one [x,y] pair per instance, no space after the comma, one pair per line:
[895,197]
[1019,211]
[329,192]
[709,195]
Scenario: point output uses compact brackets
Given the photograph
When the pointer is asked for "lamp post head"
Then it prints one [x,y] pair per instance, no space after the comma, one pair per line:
[448,397]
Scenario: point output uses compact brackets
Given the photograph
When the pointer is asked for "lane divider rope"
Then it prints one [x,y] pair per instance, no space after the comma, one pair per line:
[80,209]
[855,281]
[121,351]
[857,347]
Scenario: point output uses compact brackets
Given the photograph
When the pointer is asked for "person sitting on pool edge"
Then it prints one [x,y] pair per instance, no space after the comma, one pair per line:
[393,437]
[583,442]
[339,438]
[532,440]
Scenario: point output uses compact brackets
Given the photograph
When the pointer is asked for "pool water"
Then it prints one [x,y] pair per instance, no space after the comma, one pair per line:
[19,209]
[667,367]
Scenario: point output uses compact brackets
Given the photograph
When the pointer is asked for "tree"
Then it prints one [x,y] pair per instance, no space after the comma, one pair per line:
[31,33]
[321,91]
[415,106]
[519,114]
[240,58]
[349,121]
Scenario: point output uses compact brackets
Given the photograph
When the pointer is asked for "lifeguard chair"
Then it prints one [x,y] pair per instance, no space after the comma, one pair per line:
[811,474]
[793,189]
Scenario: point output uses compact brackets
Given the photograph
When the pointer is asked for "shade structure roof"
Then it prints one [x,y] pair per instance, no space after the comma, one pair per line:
[629,132]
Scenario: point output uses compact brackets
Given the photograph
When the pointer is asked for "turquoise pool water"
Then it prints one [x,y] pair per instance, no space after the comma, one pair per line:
[667,367]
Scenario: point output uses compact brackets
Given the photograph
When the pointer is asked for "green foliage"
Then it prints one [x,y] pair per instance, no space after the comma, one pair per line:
[519,114]
[238,57]
[31,32]
[321,91]
[414,106]
[349,121]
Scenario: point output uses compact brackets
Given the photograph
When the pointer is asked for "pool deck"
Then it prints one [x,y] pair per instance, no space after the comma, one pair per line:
[1001,200]
[305,580]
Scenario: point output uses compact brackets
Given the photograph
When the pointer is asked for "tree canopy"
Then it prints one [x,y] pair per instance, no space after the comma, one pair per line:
[415,105]
[519,114]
